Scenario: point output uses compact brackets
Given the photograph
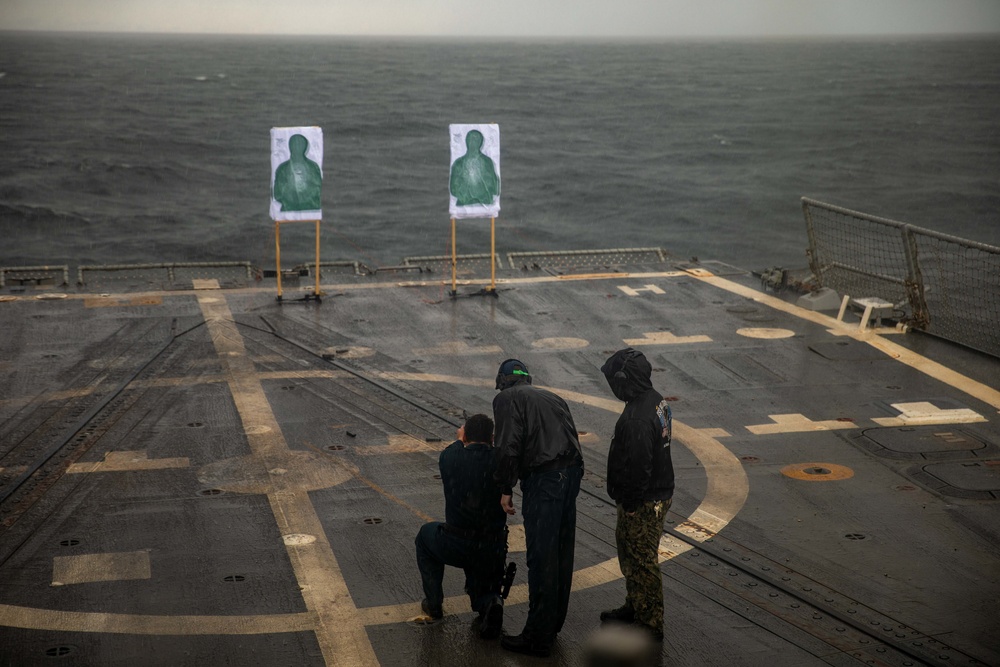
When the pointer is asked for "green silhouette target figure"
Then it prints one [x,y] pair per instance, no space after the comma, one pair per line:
[296,178]
[474,182]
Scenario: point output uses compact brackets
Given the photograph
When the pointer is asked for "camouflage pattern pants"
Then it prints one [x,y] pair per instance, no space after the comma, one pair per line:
[638,537]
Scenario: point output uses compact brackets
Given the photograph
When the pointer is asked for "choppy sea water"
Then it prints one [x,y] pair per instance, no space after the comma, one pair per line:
[156,148]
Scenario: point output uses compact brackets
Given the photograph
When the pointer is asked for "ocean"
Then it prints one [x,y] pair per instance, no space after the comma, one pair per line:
[155,148]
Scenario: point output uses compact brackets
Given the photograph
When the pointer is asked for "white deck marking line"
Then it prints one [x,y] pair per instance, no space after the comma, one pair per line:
[342,638]
[899,353]
[797,423]
[634,291]
[914,414]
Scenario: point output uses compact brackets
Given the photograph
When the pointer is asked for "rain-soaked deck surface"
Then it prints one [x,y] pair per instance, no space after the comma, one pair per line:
[225,480]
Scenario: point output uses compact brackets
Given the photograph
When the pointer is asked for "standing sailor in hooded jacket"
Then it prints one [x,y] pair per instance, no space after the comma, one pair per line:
[641,481]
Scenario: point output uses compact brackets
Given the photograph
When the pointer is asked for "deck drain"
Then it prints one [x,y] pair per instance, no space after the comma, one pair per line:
[336,448]
[816,471]
[69,543]
[749,459]
[854,536]
[59,651]
[288,387]
[234,578]
[211,492]
[372,520]
[195,425]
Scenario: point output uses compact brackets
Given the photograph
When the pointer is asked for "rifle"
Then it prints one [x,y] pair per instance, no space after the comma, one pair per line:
[508,580]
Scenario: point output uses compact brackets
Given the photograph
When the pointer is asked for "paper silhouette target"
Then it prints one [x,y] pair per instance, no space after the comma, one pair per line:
[296,173]
[474,179]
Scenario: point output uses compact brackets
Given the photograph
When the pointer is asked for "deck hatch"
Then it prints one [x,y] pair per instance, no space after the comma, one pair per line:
[963,479]
[925,441]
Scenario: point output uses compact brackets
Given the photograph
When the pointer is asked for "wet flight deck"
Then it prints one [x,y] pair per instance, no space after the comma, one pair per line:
[195,474]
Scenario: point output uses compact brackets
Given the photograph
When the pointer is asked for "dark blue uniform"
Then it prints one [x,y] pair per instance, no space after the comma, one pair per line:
[474,535]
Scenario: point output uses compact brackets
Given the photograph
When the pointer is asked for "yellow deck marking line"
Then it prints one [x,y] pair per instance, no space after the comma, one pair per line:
[456,348]
[559,343]
[350,287]
[796,423]
[665,338]
[105,302]
[86,568]
[912,359]
[124,461]
[927,413]
[398,444]
[141,624]
[342,639]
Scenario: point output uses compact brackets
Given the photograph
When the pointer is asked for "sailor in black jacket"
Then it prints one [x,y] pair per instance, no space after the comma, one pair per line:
[537,442]
[641,481]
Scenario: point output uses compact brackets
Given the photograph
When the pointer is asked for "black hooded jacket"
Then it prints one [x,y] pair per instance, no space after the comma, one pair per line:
[639,464]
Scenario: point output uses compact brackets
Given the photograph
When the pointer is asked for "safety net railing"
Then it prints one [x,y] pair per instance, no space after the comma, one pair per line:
[944,285]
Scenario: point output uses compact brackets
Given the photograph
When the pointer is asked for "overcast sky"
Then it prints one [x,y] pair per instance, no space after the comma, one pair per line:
[569,18]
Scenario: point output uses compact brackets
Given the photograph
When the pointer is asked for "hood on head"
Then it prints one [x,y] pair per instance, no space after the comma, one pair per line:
[629,374]
[512,372]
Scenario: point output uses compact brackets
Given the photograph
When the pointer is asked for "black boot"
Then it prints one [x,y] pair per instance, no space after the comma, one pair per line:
[527,645]
[434,612]
[623,614]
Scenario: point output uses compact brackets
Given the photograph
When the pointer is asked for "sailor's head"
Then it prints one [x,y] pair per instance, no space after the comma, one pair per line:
[512,372]
[474,140]
[477,428]
[298,144]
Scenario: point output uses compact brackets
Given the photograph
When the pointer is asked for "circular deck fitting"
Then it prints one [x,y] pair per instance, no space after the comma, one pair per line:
[336,448]
[234,578]
[817,472]
[195,424]
[69,543]
[857,537]
[559,343]
[59,651]
[765,333]
[211,492]
[298,539]
[372,521]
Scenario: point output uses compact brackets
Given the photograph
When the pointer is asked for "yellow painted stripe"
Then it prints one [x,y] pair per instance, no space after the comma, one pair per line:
[933,369]
[341,637]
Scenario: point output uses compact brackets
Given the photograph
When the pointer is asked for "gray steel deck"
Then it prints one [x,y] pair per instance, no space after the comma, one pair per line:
[196,477]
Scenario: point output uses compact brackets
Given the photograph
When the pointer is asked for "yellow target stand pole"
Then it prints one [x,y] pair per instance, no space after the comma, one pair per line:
[493,256]
[454,262]
[317,293]
[492,290]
